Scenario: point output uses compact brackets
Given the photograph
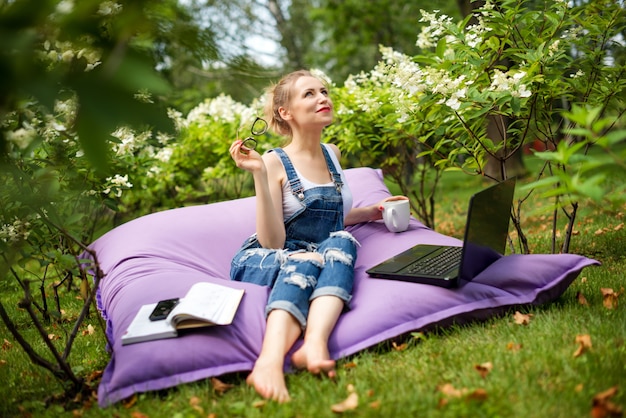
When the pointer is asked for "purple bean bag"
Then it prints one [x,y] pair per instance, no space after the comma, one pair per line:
[159,256]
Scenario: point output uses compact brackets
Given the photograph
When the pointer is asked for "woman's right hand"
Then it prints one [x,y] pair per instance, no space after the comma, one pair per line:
[246,159]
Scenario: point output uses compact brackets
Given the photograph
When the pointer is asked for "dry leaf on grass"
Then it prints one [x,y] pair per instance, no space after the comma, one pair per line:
[6,344]
[484,369]
[511,346]
[260,403]
[220,387]
[584,343]
[619,227]
[450,391]
[609,298]
[399,347]
[522,319]
[90,330]
[478,395]
[130,401]
[195,402]
[602,406]
[348,404]
[582,300]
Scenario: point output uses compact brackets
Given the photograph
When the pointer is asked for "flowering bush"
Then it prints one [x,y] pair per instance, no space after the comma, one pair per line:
[479,92]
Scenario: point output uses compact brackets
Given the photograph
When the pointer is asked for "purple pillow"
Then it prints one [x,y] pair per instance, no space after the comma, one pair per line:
[159,256]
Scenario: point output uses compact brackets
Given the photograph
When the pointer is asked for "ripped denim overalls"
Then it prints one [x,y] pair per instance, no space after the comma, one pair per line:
[316,227]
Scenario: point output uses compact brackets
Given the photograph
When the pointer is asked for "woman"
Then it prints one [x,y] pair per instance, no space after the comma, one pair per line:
[300,248]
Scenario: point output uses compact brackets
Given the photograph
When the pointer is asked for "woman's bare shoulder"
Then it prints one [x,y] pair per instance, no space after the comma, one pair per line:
[335,149]
[275,170]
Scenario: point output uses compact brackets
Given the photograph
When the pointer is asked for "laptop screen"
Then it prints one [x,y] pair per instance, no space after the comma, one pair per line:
[487,228]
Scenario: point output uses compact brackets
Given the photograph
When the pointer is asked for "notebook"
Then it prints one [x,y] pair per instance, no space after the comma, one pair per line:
[484,242]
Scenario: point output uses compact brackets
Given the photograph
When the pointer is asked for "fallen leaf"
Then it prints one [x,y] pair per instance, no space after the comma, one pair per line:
[450,391]
[6,344]
[579,387]
[260,403]
[522,319]
[93,376]
[130,401]
[400,347]
[348,404]
[137,414]
[584,343]
[603,407]
[581,299]
[350,365]
[478,395]
[90,330]
[375,404]
[609,298]
[484,369]
[599,232]
[583,279]
[53,337]
[195,402]
[220,387]
[511,346]
[619,227]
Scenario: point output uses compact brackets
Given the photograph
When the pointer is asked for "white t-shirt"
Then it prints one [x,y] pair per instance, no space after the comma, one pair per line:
[291,203]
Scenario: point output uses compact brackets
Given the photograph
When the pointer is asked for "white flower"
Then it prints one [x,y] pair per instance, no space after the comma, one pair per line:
[164,154]
[437,26]
[22,137]
[109,8]
[65,7]
[116,184]
[17,231]
[510,82]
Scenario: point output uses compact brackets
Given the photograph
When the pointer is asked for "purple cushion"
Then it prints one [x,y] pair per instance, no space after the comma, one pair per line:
[159,256]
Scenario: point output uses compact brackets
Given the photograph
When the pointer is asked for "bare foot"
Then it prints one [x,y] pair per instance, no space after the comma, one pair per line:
[269,382]
[315,359]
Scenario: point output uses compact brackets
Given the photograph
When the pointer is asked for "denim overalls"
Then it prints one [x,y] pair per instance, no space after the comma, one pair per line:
[317,226]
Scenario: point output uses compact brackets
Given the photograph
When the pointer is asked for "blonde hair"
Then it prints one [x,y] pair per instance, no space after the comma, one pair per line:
[279,95]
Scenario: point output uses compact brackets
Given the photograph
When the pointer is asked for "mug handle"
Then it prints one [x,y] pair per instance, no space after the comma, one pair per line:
[394,218]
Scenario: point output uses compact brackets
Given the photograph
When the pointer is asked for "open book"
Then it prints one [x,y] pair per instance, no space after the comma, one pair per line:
[205,304]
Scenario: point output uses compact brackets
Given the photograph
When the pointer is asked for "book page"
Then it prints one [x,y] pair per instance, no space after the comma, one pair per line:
[143,329]
[207,304]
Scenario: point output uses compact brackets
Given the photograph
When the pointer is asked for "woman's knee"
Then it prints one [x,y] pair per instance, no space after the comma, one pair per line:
[309,256]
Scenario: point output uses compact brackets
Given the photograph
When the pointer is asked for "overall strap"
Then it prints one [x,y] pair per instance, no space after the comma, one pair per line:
[294,181]
[333,169]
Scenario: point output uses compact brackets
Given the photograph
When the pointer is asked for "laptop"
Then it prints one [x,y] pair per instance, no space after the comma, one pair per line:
[484,241]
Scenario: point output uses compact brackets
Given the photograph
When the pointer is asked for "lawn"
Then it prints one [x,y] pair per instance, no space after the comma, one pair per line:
[546,361]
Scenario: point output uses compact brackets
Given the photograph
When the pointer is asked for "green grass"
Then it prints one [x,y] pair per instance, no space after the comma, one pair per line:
[534,372]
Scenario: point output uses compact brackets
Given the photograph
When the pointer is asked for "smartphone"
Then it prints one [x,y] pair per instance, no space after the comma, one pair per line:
[163,309]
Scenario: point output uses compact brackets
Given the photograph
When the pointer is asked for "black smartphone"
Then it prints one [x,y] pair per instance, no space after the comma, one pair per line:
[163,309]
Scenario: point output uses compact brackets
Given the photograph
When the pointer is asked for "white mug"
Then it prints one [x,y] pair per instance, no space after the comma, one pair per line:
[396,214]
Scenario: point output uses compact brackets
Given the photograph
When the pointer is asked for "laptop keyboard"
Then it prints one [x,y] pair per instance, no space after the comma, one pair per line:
[437,264]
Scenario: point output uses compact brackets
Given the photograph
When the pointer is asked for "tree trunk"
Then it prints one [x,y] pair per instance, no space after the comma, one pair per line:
[497,127]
